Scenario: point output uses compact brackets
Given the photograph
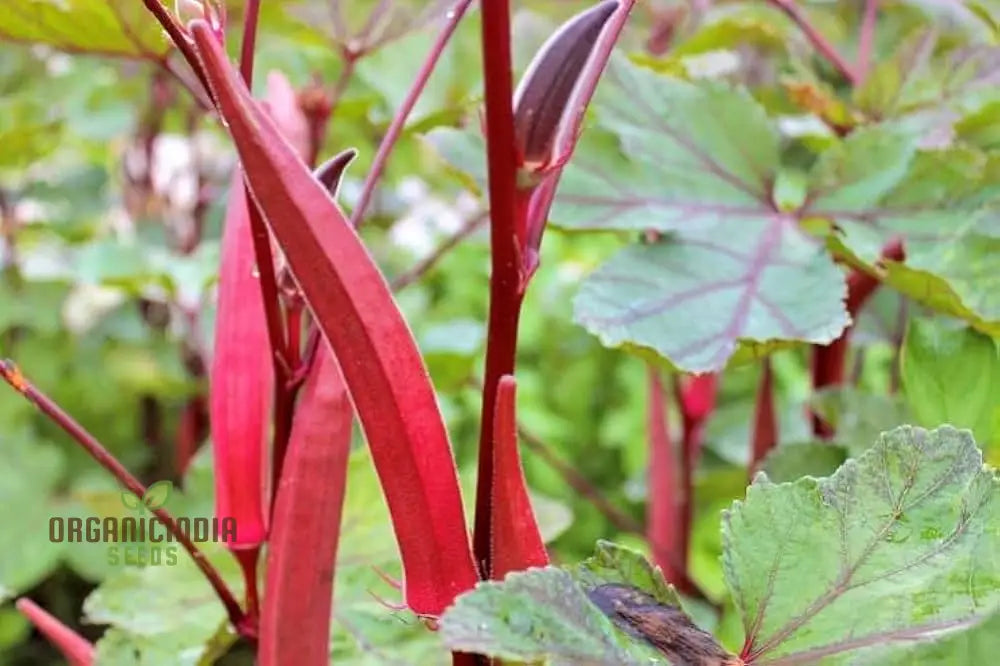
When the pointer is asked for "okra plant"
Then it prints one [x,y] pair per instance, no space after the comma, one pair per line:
[738,260]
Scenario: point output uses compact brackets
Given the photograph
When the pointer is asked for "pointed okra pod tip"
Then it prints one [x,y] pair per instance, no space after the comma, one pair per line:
[544,102]
[331,172]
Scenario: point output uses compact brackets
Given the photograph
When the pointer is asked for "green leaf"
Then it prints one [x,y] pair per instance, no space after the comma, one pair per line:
[168,610]
[897,546]
[539,614]
[673,155]
[693,299]
[123,648]
[921,79]
[29,473]
[157,494]
[107,27]
[951,374]
[958,278]
[615,564]
[874,187]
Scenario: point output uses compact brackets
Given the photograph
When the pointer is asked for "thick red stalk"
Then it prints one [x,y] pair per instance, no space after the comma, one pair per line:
[663,520]
[507,234]
[517,543]
[295,622]
[77,650]
[13,376]
[765,426]
[454,16]
[354,308]
[829,361]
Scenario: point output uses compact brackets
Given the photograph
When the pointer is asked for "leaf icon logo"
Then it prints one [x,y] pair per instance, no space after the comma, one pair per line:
[157,494]
[131,501]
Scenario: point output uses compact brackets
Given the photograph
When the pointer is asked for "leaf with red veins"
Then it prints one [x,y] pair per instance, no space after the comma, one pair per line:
[382,367]
[295,619]
[517,543]
[738,288]
[875,187]
[896,548]
[75,648]
[667,154]
[241,378]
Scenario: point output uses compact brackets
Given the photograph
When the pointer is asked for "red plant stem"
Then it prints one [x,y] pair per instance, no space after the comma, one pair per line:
[249,43]
[17,381]
[866,40]
[344,78]
[506,240]
[792,10]
[403,112]
[176,33]
[283,398]
[663,521]
[248,559]
[765,428]
[293,320]
[829,360]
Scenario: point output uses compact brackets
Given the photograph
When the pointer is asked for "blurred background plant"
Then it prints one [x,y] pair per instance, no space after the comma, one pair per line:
[113,181]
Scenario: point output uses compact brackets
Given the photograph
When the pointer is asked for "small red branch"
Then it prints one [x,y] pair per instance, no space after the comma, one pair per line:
[10,373]
[403,112]
[248,559]
[765,428]
[793,11]
[248,46]
[829,360]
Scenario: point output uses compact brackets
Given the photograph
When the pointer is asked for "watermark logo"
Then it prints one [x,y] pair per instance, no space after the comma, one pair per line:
[141,539]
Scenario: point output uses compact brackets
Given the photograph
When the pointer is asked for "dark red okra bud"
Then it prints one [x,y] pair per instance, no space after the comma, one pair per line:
[544,103]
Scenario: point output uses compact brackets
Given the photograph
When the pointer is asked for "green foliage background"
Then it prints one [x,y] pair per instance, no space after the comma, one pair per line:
[105,306]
